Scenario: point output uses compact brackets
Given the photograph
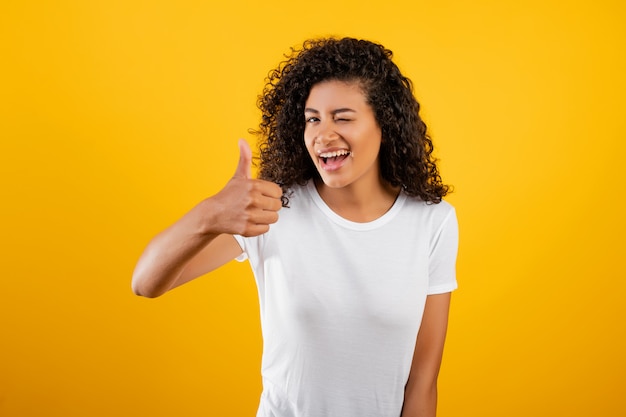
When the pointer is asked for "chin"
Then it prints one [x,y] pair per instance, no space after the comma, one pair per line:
[333,182]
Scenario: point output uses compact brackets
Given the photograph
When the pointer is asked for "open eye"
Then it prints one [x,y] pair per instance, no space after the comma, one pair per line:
[312,119]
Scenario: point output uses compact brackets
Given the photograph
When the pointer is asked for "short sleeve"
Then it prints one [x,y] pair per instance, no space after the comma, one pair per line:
[442,258]
[242,242]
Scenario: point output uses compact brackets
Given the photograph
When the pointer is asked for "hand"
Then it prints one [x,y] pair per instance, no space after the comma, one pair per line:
[246,206]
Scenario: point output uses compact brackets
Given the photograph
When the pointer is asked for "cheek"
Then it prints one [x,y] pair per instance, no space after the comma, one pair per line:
[308,141]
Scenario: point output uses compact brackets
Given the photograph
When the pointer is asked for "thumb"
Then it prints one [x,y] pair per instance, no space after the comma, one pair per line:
[245,160]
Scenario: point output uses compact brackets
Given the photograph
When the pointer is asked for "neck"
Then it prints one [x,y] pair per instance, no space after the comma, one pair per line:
[359,204]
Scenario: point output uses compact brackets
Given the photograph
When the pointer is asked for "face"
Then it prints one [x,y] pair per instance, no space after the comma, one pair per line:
[342,135]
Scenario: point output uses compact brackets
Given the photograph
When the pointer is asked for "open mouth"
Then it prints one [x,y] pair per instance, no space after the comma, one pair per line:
[335,157]
[333,160]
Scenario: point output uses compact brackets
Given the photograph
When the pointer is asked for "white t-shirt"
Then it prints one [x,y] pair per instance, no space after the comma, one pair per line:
[341,303]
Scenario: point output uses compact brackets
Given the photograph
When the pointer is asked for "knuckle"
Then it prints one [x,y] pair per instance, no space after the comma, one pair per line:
[247,201]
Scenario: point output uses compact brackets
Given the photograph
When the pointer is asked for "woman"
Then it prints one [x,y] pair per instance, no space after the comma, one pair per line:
[352,247]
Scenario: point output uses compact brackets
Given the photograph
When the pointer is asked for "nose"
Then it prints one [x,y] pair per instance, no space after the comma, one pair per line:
[325,135]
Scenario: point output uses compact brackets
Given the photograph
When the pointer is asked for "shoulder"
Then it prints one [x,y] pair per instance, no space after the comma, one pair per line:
[435,212]
[429,219]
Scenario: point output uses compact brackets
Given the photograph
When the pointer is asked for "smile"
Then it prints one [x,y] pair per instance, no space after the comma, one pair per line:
[331,161]
[336,155]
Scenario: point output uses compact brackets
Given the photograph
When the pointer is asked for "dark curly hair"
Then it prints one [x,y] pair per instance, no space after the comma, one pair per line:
[405,155]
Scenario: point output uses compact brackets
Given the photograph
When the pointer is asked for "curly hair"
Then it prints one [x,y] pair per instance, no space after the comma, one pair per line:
[405,155]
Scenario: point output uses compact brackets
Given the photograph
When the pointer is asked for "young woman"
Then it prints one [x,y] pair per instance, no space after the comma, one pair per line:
[352,247]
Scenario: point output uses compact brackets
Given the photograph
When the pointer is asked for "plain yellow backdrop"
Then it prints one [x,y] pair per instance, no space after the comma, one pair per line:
[118,116]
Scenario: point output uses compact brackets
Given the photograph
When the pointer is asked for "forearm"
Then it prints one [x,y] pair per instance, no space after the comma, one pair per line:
[191,247]
[166,256]
[420,401]
[420,394]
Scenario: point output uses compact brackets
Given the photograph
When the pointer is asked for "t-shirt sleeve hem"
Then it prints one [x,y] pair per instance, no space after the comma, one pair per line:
[442,289]
[240,240]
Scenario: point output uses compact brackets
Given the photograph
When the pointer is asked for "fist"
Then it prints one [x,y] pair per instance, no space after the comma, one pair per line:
[246,206]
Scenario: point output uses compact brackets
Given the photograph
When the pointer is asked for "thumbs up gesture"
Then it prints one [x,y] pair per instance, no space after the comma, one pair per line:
[245,161]
[246,206]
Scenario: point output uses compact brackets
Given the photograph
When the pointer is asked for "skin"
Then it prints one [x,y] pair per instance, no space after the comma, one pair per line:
[420,393]
[338,118]
[202,240]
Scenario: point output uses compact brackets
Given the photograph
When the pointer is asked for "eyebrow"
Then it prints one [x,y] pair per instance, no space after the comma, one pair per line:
[341,110]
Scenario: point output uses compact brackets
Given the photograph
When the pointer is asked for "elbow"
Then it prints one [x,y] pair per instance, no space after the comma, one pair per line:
[144,283]
[141,289]
[137,290]
[143,293]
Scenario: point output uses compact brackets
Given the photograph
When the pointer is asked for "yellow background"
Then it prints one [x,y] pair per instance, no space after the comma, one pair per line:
[117,116]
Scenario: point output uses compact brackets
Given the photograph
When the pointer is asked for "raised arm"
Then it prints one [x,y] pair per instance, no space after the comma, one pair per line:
[202,240]
[420,394]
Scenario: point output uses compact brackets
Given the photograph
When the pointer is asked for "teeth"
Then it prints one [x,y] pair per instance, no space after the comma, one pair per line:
[334,153]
